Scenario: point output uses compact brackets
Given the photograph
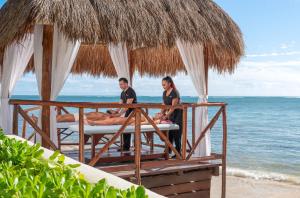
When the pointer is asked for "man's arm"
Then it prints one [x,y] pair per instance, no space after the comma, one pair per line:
[119,109]
[128,101]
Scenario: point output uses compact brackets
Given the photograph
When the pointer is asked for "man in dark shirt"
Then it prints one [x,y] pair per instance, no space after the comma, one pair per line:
[128,96]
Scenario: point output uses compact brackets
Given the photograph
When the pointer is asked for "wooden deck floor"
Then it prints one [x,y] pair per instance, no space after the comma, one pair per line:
[171,178]
[113,155]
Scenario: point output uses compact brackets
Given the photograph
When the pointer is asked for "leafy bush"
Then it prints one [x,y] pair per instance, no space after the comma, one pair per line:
[25,173]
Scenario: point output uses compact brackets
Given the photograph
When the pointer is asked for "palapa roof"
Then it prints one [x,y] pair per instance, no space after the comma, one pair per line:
[149,27]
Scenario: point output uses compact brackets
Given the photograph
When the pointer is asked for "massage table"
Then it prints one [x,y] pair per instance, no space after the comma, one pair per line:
[63,128]
[63,132]
[98,132]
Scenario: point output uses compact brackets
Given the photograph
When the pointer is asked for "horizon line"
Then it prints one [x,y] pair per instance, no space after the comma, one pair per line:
[158,96]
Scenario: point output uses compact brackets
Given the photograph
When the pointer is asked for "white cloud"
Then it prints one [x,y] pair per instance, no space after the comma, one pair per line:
[272,54]
[270,63]
[287,45]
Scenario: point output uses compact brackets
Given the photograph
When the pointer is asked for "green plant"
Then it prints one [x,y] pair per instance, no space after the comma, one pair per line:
[24,172]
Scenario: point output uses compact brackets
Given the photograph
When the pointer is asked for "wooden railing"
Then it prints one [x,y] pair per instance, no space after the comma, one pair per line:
[139,110]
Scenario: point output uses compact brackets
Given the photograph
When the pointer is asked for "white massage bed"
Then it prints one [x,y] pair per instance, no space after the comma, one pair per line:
[112,129]
[107,131]
[64,131]
[65,125]
[98,132]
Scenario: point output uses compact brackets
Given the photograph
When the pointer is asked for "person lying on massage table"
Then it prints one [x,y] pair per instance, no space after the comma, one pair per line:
[75,117]
[121,120]
[87,116]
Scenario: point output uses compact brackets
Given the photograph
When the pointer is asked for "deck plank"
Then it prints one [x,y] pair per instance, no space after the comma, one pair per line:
[183,188]
[172,179]
[197,194]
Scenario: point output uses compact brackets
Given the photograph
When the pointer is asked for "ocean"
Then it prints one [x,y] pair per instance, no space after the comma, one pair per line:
[263,133]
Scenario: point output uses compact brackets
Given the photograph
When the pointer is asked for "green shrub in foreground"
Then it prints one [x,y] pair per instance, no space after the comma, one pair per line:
[25,173]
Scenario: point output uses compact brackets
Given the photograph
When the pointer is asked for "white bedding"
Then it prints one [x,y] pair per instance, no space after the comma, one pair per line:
[65,125]
[112,129]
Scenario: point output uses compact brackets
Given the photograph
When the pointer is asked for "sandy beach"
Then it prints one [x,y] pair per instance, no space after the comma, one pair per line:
[238,187]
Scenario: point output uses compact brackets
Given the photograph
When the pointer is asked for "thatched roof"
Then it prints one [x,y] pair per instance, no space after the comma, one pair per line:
[149,27]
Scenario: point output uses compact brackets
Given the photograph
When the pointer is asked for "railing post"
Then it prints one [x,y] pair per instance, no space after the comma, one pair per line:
[58,130]
[81,135]
[193,125]
[137,149]
[184,132]
[224,152]
[46,82]
[15,120]
[24,129]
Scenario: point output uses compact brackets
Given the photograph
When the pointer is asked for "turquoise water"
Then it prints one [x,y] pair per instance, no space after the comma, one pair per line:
[263,133]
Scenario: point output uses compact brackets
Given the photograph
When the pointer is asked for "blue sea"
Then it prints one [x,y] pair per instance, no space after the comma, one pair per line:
[263,133]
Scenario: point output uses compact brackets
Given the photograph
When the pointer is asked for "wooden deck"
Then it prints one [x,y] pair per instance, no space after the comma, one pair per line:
[172,178]
[146,164]
[113,155]
[182,180]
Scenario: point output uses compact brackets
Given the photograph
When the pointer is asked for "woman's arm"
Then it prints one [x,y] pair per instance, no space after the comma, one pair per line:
[175,101]
[163,111]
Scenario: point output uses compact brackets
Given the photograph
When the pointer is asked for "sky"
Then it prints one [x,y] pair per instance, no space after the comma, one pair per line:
[270,67]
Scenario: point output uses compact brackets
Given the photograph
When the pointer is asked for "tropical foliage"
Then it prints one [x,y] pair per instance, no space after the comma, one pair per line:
[24,172]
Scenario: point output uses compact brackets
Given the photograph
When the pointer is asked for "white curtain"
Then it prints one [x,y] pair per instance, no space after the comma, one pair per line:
[63,57]
[38,63]
[193,59]
[119,56]
[15,60]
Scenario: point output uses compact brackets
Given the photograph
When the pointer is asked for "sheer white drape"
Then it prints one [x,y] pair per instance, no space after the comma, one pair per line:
[38,63]
[193,59]
[119,56]
[15,60]
[64,54]
[63,57]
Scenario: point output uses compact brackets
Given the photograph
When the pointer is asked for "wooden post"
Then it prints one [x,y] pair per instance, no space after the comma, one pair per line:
[193,126]
[224,152]
[206,67]
[167,154]
[131,68]
[137,139]
[59,130]
[184,132]
[15,120]
[24,129]
[81,135]
[46,79]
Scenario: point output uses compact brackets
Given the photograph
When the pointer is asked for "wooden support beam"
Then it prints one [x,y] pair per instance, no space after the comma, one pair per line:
[206,68]
[15,120]
[184,132]
[37,129]
[193,125]
[59,130]
[103,104]
[224,152]
[24,129]
[81,135]
[137,149]
[46,79]
[131,67]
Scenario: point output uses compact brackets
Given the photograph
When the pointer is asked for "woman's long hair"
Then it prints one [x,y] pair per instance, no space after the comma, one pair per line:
[170,80]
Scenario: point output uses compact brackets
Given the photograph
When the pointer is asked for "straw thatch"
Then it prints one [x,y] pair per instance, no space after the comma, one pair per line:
[76,18]
[149,27]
